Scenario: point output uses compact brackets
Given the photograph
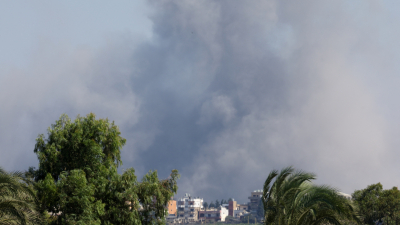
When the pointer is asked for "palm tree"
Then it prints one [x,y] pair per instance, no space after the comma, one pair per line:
[291,199]
[17,200]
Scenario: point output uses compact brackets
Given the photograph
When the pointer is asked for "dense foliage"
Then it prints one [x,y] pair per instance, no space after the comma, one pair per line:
[17,200]
[249,218]
[380,205]
[292,199]
[78,182]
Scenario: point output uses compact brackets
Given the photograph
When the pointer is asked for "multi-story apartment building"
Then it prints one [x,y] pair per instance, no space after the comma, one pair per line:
[189,207]
[213,215]
[232,207]
[255,198]
[243,207]
[237,210]
[172,208]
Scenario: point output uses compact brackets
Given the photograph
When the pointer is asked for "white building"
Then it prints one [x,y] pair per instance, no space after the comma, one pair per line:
[189,207]
[239,213]
[226,206]
[214,215]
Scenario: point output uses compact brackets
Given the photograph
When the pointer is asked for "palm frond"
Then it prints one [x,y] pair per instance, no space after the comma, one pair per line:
[17,200]
[293,200]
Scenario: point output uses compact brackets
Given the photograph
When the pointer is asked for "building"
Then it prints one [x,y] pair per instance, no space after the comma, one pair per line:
[213,215]
[239,213]
[226,206]
[232,207]
[255,198]
[172,208]
[189,207]
[242,207]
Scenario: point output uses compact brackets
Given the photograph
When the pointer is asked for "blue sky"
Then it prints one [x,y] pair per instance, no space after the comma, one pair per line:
[223,91]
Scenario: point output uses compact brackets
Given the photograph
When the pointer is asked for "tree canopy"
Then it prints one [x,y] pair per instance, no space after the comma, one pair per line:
[289,198]
[217,204]
[17,200]
[78,182]
[376,204]
[211,205]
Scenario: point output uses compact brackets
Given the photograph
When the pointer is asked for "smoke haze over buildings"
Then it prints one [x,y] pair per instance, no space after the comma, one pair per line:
[223,91]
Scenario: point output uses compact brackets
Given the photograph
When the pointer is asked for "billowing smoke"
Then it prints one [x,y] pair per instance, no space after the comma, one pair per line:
[225,91]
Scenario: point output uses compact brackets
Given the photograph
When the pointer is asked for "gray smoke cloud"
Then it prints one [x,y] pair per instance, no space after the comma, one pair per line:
[225,91]
[260,85]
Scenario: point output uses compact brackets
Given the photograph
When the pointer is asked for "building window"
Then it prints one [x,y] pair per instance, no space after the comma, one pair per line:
[202,215]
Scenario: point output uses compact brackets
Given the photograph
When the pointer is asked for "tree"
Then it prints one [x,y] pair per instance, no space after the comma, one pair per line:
[154,196]
[249,218]
[205,205]
[375,204]
[212,205]
[368,203]
[78,182]
[229,200]
[292,199]
[260,209]
[229,219]
[217,204]
[17,200]
[390,200]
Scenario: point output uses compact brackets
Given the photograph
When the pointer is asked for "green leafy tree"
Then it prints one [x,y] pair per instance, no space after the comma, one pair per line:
[154,195]
[229,219]
[292,199]
[249,218]
[205,205]
[368,203]
[212,205]
[229,200]
[376,204]
[78,182]
[17,200]
[390,200]
[75,192]
[217,204]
